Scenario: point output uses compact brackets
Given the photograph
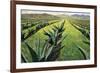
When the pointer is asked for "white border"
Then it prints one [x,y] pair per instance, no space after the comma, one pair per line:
[20,65]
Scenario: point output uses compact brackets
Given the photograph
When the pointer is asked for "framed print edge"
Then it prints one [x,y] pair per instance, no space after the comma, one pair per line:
[13,36]
[95,39]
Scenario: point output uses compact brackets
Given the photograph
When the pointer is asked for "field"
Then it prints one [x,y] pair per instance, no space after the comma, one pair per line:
[46,37]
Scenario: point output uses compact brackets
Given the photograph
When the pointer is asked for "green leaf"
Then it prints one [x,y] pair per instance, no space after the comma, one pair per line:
[23,58]
[86,42]
[85,32]
[32,52]
[83,52]
[49,52]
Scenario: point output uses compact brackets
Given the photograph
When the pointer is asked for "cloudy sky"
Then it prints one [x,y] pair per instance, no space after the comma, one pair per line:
[23,11]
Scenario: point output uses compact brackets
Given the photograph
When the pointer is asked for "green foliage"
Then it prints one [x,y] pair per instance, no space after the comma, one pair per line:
[23,58]
[86,42]
[28,25]
[50,51]
[83,52]
[83,23]
[55,39]
[86,33]
[31,29]
[40,34]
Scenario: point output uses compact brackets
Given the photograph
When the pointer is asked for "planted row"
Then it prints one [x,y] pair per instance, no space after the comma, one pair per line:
[51,49]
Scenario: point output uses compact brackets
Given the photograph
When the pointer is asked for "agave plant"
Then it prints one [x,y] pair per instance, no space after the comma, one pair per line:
[26,33]
[30,23]
[86,33]
[83,52]
[55,39]
[50,51]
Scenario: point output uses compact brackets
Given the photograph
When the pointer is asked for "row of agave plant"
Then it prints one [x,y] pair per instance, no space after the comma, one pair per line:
[86,33]
[29,29]
[50,50]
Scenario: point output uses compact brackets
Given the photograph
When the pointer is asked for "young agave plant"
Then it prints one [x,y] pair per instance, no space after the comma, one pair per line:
[50,51]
